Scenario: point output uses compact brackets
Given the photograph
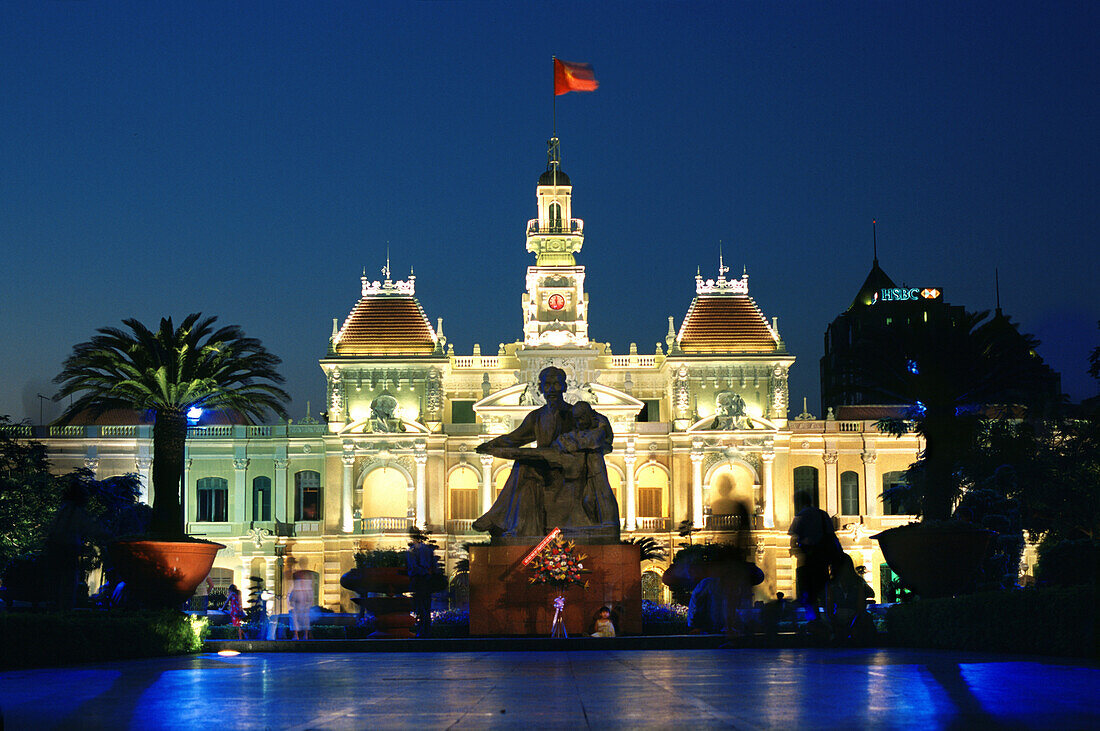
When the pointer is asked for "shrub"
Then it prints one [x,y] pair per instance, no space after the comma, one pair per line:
[381,558]
[1042,621]
[62,638]
[663,619]
[1068,563]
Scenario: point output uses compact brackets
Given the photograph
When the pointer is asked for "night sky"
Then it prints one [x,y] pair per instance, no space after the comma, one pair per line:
[248,159]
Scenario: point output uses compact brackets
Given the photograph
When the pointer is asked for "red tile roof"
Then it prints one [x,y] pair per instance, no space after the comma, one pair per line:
[386,325]
[725,324]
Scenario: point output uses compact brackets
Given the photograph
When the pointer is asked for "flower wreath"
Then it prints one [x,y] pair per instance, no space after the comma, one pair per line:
[558,565]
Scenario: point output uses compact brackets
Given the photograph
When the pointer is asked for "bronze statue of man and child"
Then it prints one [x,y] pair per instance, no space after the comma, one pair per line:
[561,482]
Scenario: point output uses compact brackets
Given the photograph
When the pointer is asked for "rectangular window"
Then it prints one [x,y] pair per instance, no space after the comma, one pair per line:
[213,500]
[462,412]
[308,499]
[849,493]
[890,480]
[261,499]
[649,502]
[463,504]
[651,411]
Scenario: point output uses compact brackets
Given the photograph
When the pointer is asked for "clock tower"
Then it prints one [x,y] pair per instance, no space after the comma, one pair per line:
[555,307]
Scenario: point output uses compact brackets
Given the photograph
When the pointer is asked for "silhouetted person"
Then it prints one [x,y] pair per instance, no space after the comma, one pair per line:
[846,598]
[814,541]
[71,528]
[420,561]
[772,614]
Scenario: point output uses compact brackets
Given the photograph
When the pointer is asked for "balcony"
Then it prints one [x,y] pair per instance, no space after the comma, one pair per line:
[652,525]
[571,227]
[384,524]
[460,526]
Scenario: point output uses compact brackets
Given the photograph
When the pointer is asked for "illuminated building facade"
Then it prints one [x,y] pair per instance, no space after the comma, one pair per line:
[700,422]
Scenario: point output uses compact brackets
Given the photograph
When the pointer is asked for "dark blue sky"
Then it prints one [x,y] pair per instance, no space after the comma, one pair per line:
[249,159]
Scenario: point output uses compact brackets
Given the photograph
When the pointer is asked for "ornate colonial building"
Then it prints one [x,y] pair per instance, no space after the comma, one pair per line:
[700,423]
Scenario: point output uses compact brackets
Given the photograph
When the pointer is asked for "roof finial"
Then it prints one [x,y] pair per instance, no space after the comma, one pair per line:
[722,268]
[386,269]
[874,241]
[553,156]
[997,288]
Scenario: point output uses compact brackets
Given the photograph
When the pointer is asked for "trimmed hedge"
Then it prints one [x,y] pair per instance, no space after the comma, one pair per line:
[1056,621]
[62,638]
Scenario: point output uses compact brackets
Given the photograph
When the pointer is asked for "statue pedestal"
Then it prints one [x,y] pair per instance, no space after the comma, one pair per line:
[503,601]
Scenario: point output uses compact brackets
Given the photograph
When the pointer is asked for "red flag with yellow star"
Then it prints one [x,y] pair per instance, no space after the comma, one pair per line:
[573,77]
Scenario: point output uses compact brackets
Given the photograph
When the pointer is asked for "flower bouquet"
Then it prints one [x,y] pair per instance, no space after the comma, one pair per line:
[559,565]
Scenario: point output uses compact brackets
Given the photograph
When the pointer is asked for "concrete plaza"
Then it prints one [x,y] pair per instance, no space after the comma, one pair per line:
[801,688]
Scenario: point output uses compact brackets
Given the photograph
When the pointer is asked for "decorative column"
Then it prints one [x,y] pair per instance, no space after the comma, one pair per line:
[279,499]
[697,483]
[183,491]
[768,459]
[347,509]
[144,466]
[240,491]
[870,483]
[486,482]
[421,458]
[832,490]
[629,503]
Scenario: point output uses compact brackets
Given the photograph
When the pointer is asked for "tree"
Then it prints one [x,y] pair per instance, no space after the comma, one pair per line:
[951,372]
[169,372]
[29,494]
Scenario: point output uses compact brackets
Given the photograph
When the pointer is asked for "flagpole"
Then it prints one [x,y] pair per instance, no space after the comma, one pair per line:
[554,94]
[554,106]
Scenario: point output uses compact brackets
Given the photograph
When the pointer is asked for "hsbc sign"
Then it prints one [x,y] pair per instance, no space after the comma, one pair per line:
[909,294]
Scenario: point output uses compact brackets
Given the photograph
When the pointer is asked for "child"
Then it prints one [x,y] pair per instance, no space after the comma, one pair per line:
[604,625]
[236,611]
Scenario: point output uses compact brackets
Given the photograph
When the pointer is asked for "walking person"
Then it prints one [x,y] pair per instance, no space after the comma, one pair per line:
[814,541]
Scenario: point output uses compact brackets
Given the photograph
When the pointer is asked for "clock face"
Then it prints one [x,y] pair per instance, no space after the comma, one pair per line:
[556,302]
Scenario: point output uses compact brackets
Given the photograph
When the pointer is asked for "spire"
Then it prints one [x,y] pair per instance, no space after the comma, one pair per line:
[874,242]
[722,268]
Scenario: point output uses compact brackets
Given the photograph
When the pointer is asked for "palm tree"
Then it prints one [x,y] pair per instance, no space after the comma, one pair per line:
[170,371]
[951,372]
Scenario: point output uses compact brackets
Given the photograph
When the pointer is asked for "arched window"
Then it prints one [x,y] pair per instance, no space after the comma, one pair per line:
[805,480]
[652,492]
[555,218]
[615,480]
[213,499]
[849,493]
[385,494]
[498,483]
[652,588]
[462,486]
[889,480]
[261,498]
[307,495]
[728,487]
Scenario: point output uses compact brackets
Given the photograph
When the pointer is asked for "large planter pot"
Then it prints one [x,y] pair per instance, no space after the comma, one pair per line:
[935,560]
[392,613]
[381,580]
[163,572]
